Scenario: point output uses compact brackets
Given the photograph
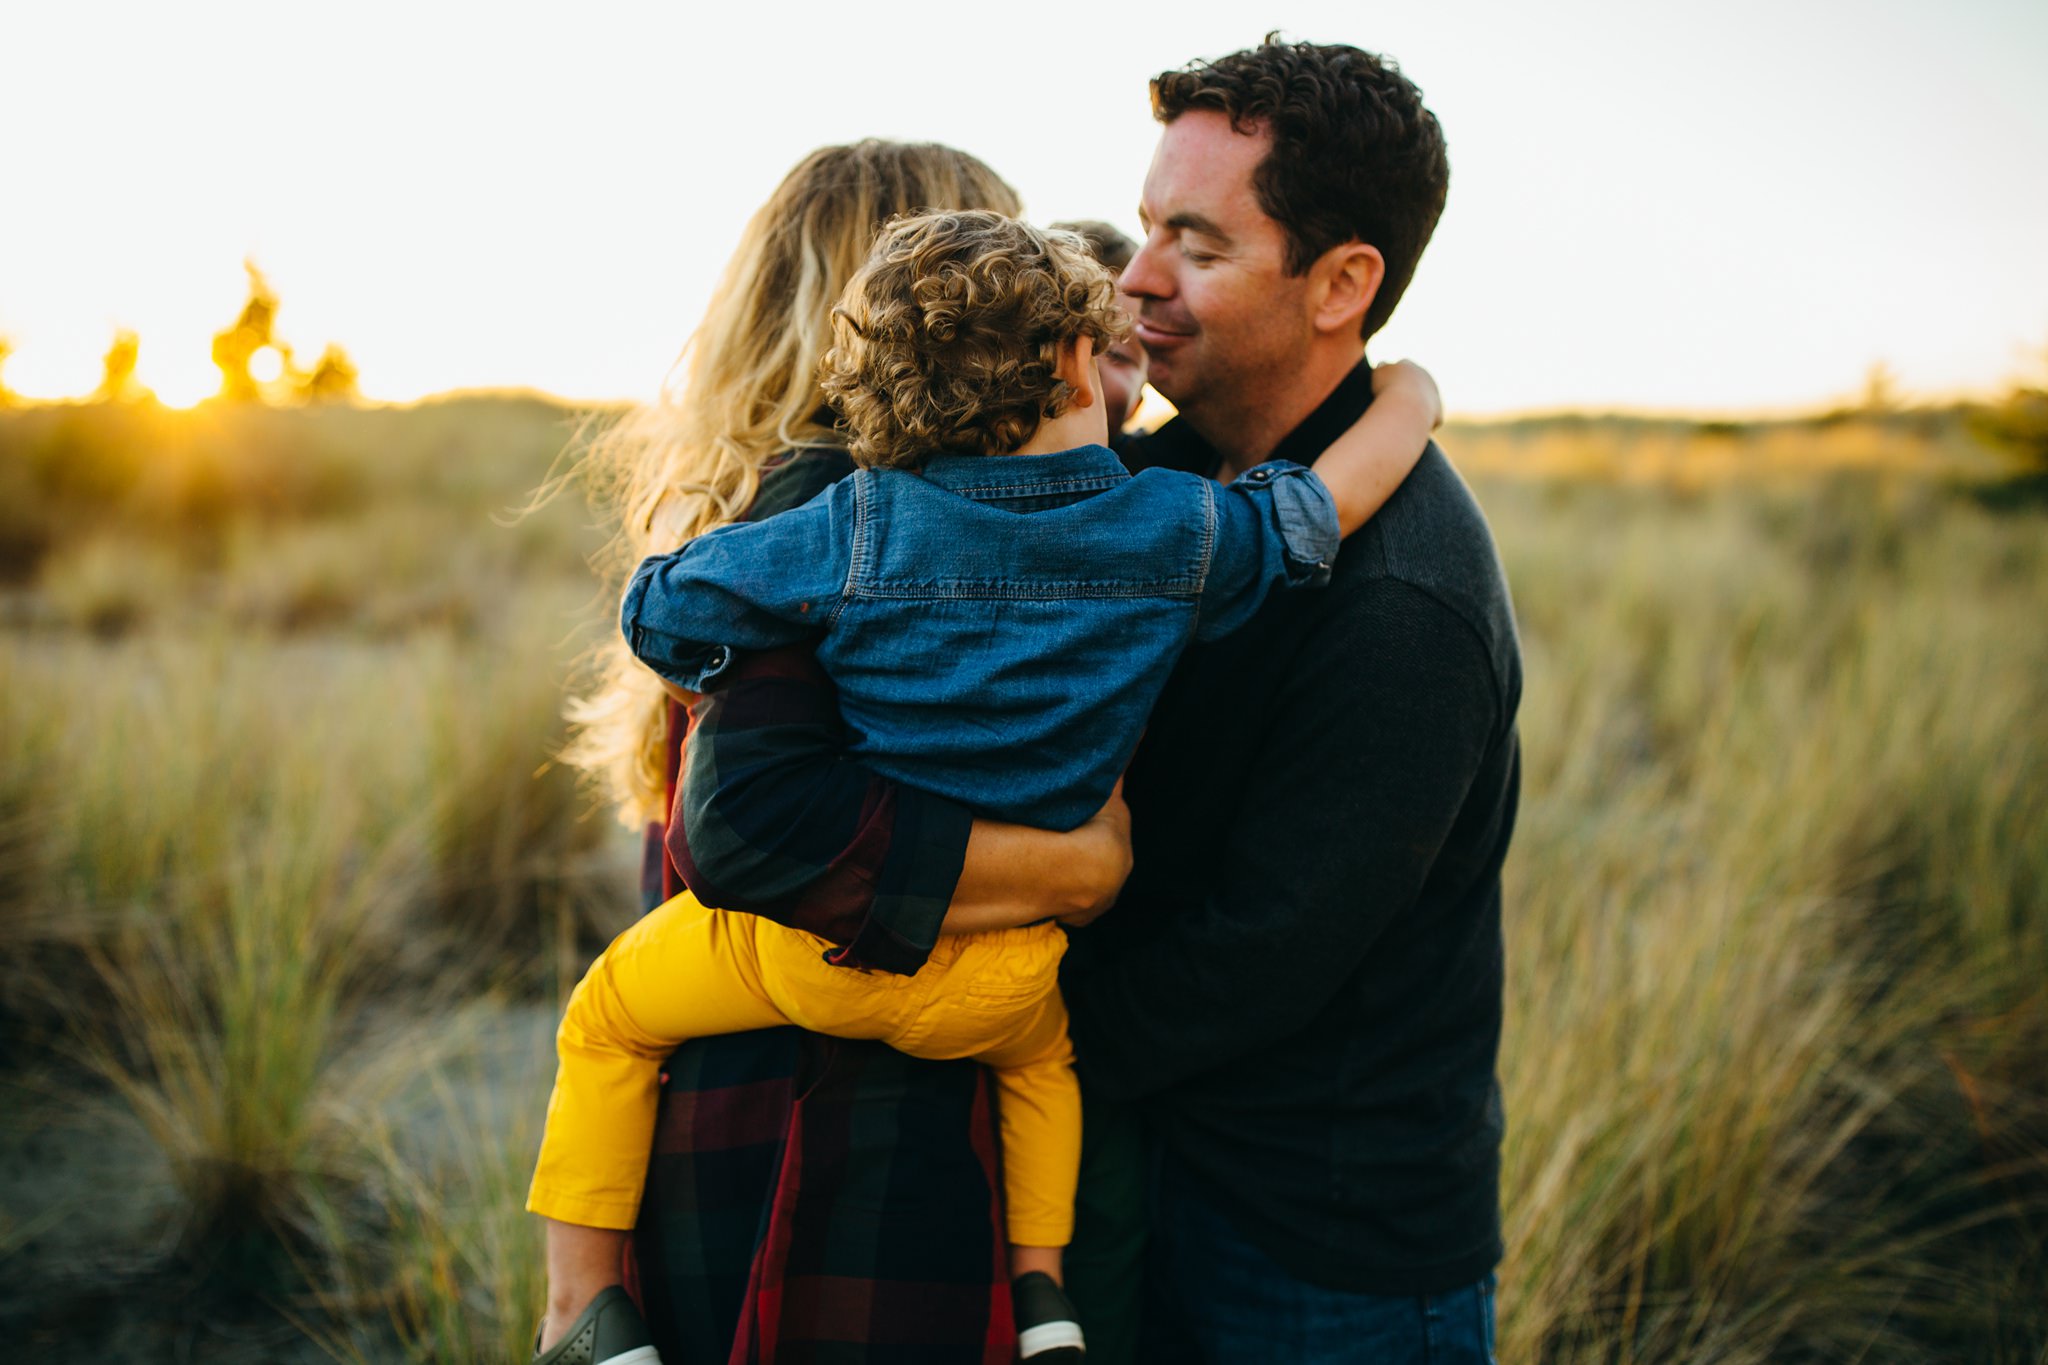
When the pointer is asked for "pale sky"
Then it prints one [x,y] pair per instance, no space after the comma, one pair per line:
[1735,205]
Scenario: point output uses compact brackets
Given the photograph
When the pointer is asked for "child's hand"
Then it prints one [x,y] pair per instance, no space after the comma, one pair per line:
[1407,382]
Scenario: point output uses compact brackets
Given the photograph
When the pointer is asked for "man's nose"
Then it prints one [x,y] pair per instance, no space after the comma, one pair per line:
[1146,276]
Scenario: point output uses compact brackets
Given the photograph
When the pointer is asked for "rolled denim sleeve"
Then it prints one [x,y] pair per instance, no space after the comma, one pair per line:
[1276,525]
[749,586]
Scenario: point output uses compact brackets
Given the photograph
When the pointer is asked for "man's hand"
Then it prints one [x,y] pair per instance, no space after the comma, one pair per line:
[1106,858]
[1016,875]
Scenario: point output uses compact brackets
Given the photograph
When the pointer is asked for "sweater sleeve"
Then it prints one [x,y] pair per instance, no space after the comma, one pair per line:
[1366,757]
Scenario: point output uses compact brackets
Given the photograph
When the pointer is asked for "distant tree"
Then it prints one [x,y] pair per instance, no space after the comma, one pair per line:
[2019,422]
[332,380]
[6,394]
[234,349]
[118,383]
[1880,389]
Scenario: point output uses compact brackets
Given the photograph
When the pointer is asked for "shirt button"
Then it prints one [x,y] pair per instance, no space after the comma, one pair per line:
[1260,475]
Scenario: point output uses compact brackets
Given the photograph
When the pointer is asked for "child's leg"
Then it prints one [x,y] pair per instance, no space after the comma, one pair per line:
[1041,1123]
[682,972]
[581,1263]
[1041,1130]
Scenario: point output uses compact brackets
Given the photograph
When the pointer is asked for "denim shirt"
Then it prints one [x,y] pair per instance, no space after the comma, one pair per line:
[998,626]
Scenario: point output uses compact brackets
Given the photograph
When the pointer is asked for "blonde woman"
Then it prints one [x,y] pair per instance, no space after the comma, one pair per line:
[768,1178]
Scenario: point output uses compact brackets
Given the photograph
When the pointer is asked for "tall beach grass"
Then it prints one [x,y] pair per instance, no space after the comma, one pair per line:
[286,873]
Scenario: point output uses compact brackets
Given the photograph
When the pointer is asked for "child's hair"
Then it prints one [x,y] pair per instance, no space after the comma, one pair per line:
[946,340]
[1105,243]
[743,397]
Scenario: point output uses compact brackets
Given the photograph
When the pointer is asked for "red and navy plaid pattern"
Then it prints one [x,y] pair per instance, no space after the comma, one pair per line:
[782,827]
[812,1201]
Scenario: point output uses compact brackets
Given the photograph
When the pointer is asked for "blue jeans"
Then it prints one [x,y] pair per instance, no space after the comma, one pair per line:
[1212,1296]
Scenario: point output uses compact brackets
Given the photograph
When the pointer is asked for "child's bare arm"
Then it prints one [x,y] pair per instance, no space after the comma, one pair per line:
[1369,461]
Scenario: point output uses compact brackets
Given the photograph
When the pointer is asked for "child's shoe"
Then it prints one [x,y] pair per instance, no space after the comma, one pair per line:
[1046,1331]
[607,1332]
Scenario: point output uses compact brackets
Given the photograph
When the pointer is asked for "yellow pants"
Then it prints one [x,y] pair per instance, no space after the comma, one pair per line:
[686,972]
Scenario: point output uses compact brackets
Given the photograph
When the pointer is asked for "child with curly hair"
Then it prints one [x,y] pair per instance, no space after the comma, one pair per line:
[999,603]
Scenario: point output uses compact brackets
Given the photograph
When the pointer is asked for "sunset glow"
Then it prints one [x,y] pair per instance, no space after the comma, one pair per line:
[1734,206]
[179,380]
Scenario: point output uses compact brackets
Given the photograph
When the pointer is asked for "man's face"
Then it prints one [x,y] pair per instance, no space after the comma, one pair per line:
[1217,312]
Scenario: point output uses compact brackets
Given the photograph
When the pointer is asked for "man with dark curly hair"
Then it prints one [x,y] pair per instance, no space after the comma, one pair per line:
[1299,991]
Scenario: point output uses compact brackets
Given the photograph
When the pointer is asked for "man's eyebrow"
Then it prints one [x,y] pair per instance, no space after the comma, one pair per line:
[1188,221]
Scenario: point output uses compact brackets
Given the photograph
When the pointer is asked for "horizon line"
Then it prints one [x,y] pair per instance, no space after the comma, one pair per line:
[1760,414]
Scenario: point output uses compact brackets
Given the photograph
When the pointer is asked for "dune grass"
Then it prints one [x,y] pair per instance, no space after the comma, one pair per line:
[240,868]
[1784,860]
[279,770]
[281,854]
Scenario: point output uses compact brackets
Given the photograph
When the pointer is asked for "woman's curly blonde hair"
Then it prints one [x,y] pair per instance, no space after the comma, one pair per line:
[745,393]
[948,338]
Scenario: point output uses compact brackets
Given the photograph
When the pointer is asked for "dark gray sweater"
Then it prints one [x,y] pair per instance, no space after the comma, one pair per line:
[1302,982]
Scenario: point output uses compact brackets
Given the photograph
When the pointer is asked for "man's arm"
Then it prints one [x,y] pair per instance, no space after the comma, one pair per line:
[1016,874]
[772,819]
[1367,754]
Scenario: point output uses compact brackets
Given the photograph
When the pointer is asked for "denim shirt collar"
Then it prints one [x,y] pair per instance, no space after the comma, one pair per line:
[987,477]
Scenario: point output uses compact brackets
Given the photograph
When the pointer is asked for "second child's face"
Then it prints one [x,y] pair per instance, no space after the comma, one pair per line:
[1123,374]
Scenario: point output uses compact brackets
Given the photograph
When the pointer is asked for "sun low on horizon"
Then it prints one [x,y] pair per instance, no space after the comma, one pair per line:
[1729,207]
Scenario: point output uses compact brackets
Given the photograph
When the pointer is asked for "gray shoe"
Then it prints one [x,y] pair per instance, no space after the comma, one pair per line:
[1047,1333]
[607,1332]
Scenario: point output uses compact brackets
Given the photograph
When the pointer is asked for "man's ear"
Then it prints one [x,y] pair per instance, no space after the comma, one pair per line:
[1350,276]
[1076,366]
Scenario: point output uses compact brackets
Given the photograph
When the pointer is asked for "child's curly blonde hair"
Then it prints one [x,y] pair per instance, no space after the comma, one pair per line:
[947,339]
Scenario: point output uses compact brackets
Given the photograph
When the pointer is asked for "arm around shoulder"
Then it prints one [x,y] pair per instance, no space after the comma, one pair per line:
[1364,466]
